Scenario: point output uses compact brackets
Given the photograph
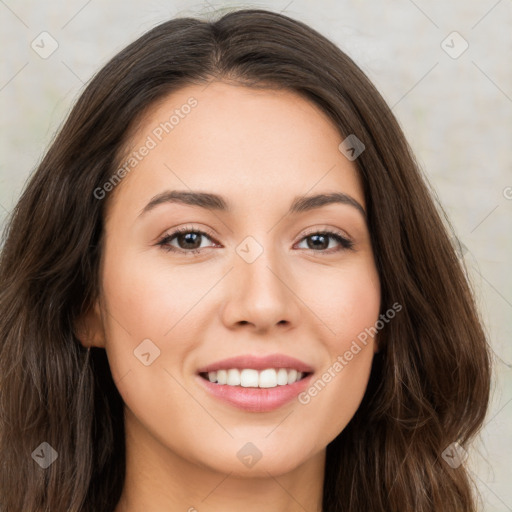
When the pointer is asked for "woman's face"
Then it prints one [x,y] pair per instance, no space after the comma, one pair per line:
[261,283]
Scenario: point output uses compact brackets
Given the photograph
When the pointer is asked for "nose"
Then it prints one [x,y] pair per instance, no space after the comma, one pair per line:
[261,294]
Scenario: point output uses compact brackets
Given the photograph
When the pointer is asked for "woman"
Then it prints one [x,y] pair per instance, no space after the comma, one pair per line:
[316,348]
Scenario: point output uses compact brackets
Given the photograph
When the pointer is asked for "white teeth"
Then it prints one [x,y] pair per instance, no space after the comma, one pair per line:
[282,377]
[268,378]
[292,376]
[233,378]
[249,378]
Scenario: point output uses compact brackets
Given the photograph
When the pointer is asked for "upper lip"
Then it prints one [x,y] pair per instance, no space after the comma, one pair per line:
[258,363]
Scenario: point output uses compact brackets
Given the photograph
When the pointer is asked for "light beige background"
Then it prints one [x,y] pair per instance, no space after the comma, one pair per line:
[456,112]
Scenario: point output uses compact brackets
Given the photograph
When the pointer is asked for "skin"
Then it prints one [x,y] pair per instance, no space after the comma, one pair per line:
[259,149]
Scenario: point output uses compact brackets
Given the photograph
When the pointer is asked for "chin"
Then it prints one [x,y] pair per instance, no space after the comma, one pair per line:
[246,458]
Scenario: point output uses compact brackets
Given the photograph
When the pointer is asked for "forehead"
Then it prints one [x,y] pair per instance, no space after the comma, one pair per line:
[264,144]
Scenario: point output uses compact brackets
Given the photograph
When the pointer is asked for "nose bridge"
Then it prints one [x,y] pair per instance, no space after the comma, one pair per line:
[257,264]
[262,291]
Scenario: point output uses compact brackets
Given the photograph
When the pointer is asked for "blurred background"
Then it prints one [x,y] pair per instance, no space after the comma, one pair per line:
[445,68]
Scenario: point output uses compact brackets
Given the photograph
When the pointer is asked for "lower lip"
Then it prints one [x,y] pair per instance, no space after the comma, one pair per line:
[256,399]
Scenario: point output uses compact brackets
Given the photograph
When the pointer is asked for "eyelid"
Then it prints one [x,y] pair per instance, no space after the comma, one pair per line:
[172,232]
[326,229]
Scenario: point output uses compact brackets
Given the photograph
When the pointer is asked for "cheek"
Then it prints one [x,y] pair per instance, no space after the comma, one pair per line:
[148,306]
[150,332]
[346,299]
[151,298]
[348,303]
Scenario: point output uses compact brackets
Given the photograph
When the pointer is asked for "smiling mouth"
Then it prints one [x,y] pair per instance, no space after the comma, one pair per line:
[250,378]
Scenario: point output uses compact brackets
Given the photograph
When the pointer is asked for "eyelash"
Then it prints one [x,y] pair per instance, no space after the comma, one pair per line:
[345,243]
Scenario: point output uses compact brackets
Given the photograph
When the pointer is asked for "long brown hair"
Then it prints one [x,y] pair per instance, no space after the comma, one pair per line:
[430,382]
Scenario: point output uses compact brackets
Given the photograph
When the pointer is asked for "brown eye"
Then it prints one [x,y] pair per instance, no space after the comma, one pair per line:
[319,242]
[188,241]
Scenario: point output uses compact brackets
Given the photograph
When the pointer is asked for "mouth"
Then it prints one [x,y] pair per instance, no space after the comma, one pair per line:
[255,384]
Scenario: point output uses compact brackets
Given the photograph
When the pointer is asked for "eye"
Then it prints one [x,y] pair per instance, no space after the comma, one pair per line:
[188,241]
[319,241]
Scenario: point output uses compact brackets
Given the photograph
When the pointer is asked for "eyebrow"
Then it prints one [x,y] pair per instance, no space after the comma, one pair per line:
[215,202]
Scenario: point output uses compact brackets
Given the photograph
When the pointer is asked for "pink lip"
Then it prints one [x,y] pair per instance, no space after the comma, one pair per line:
[256,399]
[258,363]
